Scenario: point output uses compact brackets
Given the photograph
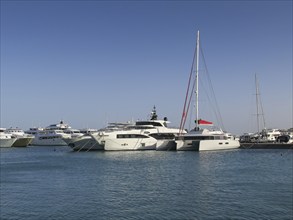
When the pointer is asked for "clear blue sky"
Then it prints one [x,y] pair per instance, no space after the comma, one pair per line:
[93,62]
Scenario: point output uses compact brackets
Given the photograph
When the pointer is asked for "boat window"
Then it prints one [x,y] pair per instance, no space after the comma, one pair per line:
[131,136]
[157,124]
[161,136]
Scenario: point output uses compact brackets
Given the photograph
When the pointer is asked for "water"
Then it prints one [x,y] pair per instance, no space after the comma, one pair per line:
[56,183]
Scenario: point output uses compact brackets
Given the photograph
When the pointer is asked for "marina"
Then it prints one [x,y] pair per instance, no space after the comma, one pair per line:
[146,110]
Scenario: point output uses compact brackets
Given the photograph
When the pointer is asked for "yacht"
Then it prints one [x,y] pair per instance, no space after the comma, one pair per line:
[131,138]
[205,139]
[6,139]
[152,134]
[201,138]
[164,135]
[23,139]
[51,135]
[104,134]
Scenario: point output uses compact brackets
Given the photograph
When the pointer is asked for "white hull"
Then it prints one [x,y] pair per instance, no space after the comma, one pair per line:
[7,142]
[211,145]
[207,145]
[38,141]
[130,144]
[84,143]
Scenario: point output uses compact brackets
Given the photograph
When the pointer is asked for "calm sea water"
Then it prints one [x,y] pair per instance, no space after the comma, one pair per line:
[56,183]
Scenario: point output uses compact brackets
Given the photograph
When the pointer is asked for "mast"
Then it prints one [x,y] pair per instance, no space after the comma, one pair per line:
[196,78]
[256,96]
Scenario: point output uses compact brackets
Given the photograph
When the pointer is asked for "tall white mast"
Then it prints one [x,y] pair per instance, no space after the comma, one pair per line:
[196,78]
[257,103]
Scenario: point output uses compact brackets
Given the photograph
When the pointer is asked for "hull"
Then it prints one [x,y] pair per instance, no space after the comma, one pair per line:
[130,144]
[206,145]
[85,143]
[213,145]
[22,142]
[7,142]
[38,141]
[166,145]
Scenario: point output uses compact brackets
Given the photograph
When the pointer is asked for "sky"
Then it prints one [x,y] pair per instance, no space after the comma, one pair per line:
[93,62]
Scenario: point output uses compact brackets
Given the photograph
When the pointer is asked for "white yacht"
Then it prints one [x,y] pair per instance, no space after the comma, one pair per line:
[151,134]
[131,138]
[202,139]
[103,134]
[164,135]
[23,139]
[6,139]
[50,136]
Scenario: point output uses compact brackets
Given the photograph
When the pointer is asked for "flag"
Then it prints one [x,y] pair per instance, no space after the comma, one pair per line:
[203,122]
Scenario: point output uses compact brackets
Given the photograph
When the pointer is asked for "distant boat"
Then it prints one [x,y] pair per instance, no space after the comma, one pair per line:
[267,138]
[50,136]
[6,140]
[207,138]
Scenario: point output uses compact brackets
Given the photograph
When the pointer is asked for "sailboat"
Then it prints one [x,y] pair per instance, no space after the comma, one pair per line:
[266,138]
[204,137]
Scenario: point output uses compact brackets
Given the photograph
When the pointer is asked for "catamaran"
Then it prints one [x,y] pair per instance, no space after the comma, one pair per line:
[201,138]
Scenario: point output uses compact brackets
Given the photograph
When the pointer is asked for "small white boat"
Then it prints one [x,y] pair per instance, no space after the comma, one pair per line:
[6,140]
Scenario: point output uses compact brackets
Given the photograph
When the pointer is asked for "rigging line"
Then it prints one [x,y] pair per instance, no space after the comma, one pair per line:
[212,90]
[210,101]
[184,114]
[190,99]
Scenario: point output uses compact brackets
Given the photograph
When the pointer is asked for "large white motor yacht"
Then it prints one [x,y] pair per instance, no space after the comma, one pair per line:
[6,139]
[159,130]
[131,138]
[151,134]
[103,134]
[50,136]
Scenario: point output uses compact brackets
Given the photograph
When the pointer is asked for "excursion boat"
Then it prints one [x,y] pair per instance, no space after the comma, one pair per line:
[201,138]
[22,139]
[6,139]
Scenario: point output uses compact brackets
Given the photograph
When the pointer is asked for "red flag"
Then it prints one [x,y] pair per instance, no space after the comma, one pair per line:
[203,122]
